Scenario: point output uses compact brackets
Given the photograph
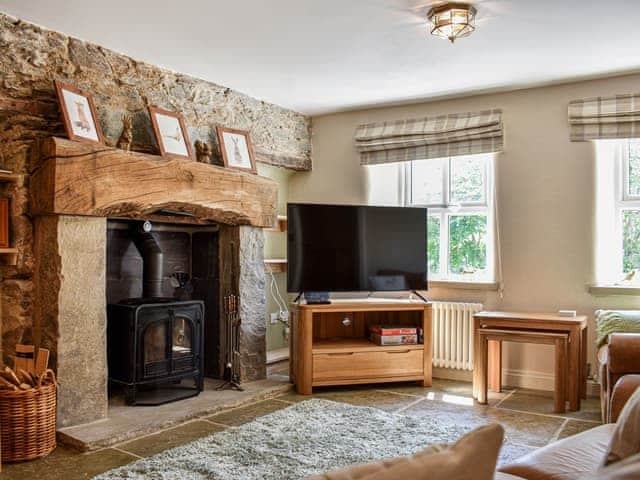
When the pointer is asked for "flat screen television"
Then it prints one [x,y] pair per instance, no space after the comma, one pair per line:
[340,248]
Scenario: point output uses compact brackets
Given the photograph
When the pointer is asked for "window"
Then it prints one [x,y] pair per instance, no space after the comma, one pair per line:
[457,192]
[617,212]
[628,214]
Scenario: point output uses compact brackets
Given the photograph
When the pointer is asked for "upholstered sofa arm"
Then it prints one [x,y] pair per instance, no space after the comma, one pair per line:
[624,353]
[622,390]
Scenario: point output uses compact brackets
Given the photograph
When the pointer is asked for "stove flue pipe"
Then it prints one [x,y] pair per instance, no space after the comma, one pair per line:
[152,261]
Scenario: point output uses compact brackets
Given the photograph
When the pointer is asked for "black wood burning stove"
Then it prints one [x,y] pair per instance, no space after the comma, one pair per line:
[155,344]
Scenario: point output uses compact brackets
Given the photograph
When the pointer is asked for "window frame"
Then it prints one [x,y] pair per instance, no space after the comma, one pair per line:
[626,197]
[447,208]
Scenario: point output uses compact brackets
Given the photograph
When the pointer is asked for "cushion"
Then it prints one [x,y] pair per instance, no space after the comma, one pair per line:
[476,452]
[614,321]
[625,441]
[627,469]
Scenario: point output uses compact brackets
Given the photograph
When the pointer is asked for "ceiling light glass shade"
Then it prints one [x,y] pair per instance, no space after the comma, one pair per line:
[452,20]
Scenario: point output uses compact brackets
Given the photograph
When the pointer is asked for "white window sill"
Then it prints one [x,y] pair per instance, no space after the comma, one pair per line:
[612,290]
[487,286]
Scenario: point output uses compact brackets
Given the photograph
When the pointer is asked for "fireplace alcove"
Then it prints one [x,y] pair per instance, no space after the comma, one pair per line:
[75,189]
[163,332]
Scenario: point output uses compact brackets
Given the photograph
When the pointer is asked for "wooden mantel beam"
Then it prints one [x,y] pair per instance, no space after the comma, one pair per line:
[76,178]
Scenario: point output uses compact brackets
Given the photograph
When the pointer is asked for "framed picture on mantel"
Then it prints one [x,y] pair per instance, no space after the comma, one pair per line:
[236,148]
[78,114]
[171,133]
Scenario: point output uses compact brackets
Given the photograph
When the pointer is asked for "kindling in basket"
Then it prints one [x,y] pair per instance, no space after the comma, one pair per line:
[28,419]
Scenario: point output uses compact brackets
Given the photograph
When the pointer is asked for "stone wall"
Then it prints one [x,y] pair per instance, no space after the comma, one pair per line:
[32,57]
[253,303]
[242,273]
[73,301]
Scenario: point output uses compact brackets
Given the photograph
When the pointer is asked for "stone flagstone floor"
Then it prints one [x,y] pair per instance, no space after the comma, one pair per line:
[524,413]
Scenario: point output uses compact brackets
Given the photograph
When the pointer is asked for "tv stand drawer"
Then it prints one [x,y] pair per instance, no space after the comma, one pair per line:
[372,365]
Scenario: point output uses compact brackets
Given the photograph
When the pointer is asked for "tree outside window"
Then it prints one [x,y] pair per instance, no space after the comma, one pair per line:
[467,243]
[433,243]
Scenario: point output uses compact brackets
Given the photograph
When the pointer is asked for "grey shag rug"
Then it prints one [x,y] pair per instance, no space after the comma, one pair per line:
[304,439]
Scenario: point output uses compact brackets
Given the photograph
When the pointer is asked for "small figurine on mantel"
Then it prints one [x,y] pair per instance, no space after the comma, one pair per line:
[126,137]
[203,152]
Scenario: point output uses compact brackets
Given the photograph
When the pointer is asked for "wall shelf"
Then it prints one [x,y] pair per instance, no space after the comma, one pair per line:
[280,226]
[275,265]
[8,177]
[8,256]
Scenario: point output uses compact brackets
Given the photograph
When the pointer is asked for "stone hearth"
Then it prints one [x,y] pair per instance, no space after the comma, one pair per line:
[73,196]
[124,422]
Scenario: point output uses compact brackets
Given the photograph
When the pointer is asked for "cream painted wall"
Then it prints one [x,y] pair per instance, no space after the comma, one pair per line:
[546,196]
[275,246]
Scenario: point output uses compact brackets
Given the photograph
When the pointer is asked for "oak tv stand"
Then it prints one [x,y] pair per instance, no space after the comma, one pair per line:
[329,344]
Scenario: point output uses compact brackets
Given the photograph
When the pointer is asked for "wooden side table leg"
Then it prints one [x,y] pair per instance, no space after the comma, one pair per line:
[560,376]
[427,335]
[304,374]
[495,366]
[583,362]
[292,347]
[575,369]
[483,370]
[476,357]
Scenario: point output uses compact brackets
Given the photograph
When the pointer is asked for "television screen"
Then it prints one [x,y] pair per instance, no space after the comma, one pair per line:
[340,248]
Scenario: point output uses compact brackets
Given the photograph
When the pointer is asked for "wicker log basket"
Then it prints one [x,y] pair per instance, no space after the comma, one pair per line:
[28,420]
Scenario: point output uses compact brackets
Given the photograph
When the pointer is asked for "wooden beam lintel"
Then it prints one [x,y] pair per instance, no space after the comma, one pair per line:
[77,178]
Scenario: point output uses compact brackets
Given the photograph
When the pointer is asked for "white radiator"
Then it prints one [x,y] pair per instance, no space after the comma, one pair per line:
[453,334]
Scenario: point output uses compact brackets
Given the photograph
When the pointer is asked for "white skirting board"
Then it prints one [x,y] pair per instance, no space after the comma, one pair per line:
[451,374]
[539,381]
[277,355]
[516,378]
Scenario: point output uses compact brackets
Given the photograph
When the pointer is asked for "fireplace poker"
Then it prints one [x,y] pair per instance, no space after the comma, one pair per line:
[232,365]
[232,314]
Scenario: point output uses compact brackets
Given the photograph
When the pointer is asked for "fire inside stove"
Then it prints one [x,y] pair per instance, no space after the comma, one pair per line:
[155,339]
[181,338]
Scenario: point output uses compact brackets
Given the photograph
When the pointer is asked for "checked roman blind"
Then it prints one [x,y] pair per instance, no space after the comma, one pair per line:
[430,137]
[605,117]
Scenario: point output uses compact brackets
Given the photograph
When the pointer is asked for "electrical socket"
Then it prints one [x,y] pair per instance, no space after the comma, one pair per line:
[275,316]
[284,315]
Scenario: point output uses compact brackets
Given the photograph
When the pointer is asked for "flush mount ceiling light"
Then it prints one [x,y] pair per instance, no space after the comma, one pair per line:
[452,20]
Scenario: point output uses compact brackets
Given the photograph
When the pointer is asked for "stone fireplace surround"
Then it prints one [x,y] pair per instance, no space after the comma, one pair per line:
[74,191]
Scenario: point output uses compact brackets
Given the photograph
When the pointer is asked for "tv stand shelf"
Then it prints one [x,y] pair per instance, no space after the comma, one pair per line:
[344,345]
[329,344]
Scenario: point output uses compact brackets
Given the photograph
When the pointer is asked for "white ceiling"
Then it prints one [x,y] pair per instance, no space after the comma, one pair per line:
[319,56]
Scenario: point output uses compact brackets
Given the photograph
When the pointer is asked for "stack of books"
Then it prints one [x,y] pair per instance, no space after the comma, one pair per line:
[393,335]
